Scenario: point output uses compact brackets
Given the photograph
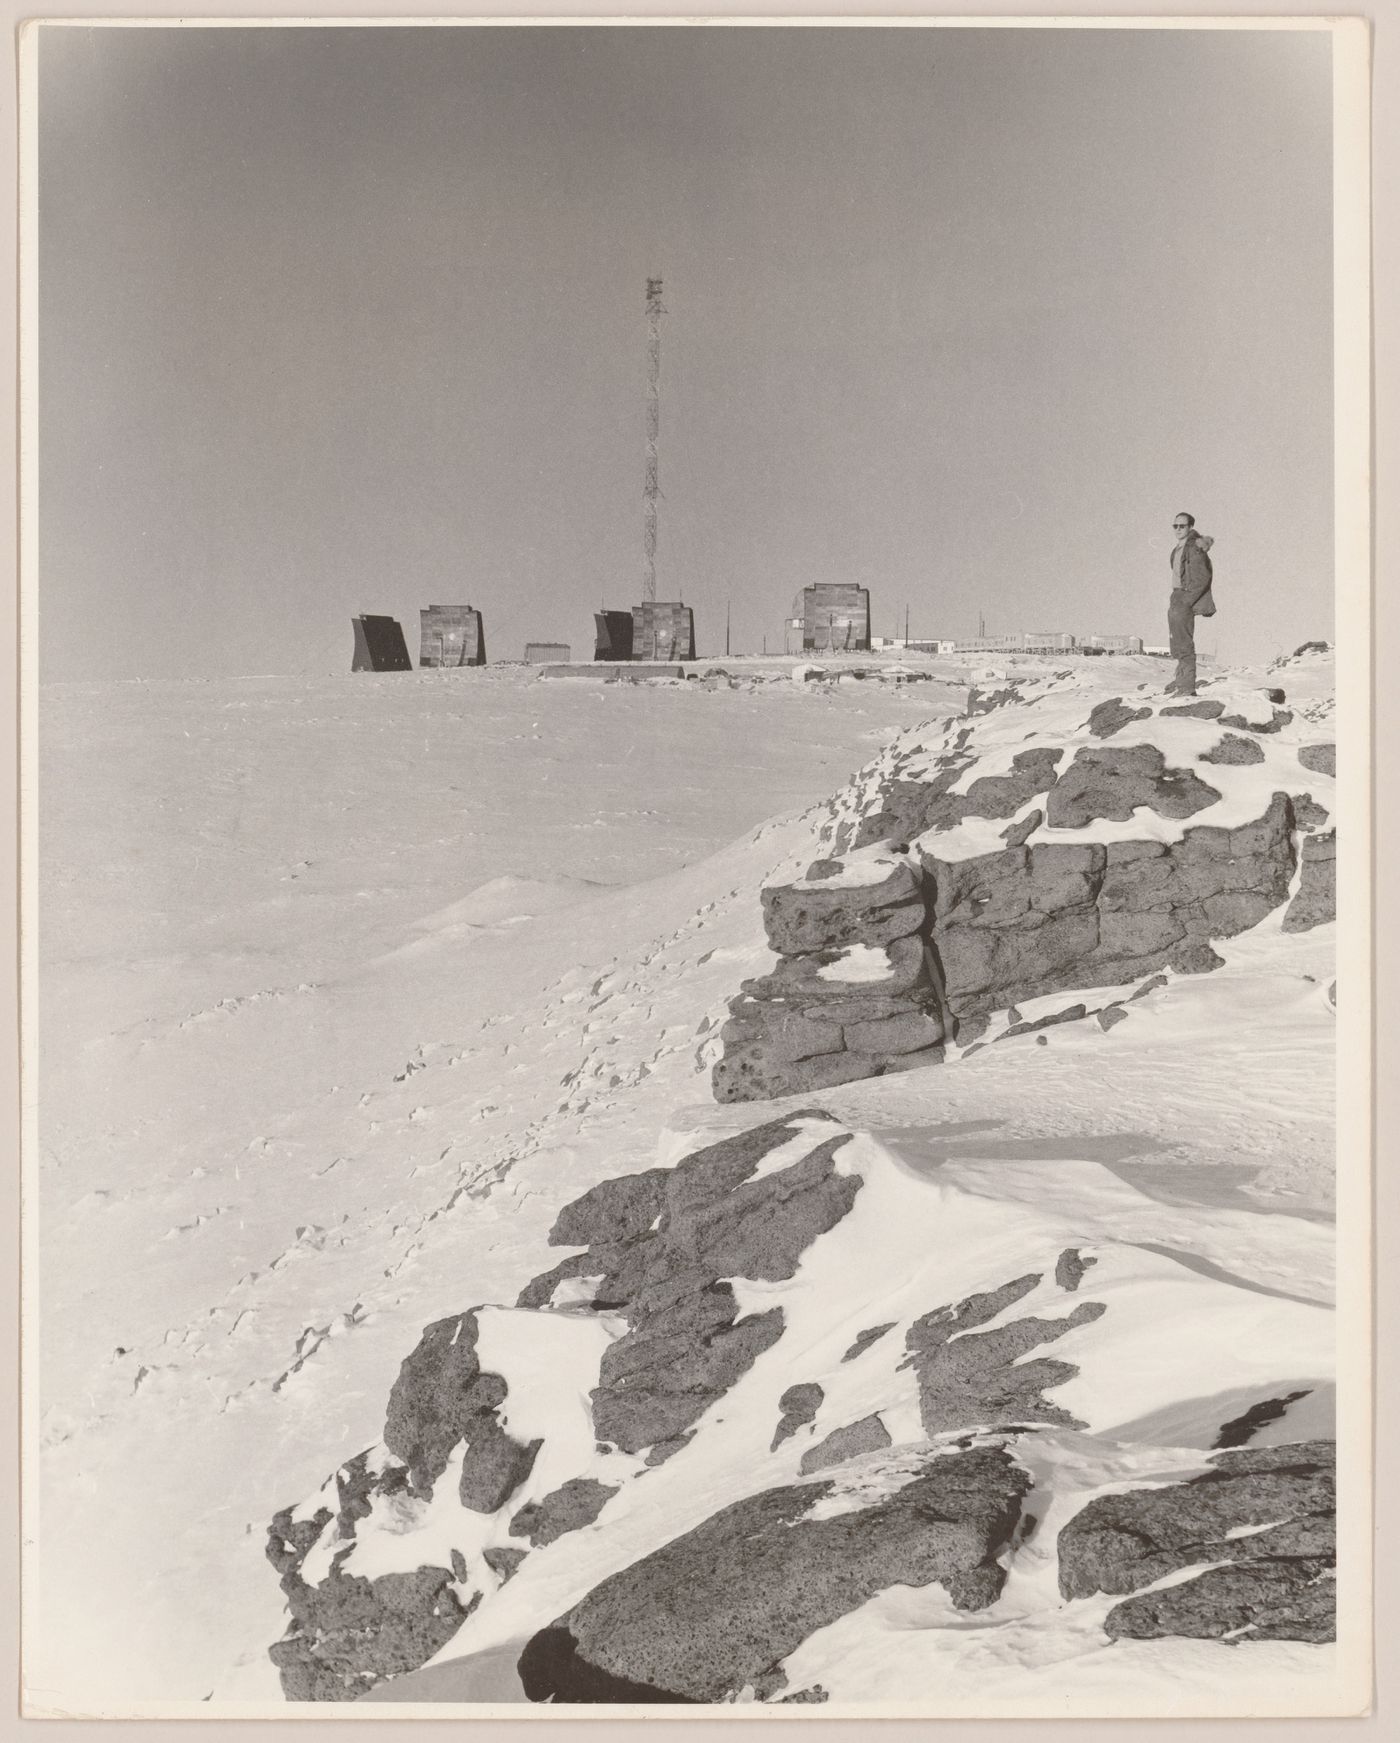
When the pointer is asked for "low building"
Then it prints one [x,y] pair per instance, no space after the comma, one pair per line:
[451,635]
[829,617]
[379,645]
[663,630]
[547,653]
[1026,642]
[1115,644]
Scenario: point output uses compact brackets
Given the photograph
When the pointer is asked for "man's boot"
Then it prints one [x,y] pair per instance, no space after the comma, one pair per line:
[1184,683]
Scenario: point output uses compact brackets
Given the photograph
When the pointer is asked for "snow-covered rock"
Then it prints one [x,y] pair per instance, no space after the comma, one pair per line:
[1115,861]
[800,1376]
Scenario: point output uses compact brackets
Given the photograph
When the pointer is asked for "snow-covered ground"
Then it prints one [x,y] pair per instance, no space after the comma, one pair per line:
[317,957]
[349,984]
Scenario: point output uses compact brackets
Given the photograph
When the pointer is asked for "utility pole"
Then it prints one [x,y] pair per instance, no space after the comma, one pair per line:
[726,627]
[651,489]
[906,624]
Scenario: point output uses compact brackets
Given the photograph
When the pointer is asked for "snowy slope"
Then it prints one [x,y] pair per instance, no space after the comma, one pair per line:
[324,964]
[299,1175]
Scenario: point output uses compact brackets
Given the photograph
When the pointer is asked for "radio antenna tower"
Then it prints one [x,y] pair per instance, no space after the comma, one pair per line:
[650,490]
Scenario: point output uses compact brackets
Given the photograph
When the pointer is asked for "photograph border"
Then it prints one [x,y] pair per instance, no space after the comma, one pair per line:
[1356,886]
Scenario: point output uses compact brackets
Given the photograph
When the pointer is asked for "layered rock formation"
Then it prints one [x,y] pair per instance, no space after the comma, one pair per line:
[1116,861]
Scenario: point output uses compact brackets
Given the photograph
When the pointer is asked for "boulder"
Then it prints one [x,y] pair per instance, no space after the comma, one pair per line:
[799,1406]
[1268,1511]
[1321,759]
[503,1561]
[1280,718]
[1112,784]
[1233,749]
[1111,717]
[1017,834]
[856,1438]
[1202,710]
[568,1508]
[717,1610]
[1071,1268]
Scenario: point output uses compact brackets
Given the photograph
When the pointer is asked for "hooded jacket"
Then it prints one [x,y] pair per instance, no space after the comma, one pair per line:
[1192,571]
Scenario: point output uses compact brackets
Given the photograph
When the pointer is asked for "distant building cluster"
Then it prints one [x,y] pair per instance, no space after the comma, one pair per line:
[829,617]
[1024,642]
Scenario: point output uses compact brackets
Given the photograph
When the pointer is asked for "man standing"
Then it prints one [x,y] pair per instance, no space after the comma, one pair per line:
[1191,598]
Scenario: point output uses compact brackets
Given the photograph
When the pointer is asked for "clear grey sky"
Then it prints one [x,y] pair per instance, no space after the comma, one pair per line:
[353,320]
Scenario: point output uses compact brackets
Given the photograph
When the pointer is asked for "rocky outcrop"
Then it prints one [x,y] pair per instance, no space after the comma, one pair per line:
[1261,1525]
[903,947]
[568,1508]
[660,1248]
[805,1027]
[717,1610]
[347,1634]
[969,1378]
[662,1263]
[442,1400]
[686,1342]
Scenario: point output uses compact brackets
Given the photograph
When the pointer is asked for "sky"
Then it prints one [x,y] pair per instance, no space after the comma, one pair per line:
[340,321]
